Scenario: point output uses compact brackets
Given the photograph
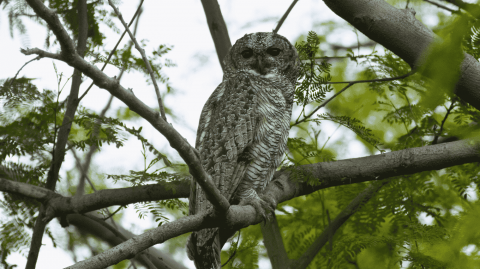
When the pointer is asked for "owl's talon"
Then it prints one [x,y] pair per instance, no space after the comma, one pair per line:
[263,205]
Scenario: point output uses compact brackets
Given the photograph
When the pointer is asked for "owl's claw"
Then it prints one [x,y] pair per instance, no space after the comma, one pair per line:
[263,204]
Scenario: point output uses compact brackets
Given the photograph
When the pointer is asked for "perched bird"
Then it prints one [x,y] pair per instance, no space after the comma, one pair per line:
[243,132]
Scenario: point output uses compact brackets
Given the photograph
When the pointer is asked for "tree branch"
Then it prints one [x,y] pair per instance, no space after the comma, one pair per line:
[218,29]
[272,239]
[68,50]
[176,141]
[350,83]
[58,205]
[145,60]
[284,17]
[36,58]
[95,228]
[439,133]
[137,13]
[88,158]
[473,9]
[341,218]
[288,183]
[440,6]
[399,31]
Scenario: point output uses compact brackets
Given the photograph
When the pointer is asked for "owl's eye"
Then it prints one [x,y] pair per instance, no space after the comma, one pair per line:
[247,53]
[273,51]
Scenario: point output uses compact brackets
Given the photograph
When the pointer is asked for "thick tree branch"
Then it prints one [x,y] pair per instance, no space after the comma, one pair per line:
[58,205]
[287,184]
[176,141]
[341,218]
[218,29]
[293,183]
[68,50]
[399,31]
[272,239]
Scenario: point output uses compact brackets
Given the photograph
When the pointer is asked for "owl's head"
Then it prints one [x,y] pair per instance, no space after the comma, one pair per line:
[263,53]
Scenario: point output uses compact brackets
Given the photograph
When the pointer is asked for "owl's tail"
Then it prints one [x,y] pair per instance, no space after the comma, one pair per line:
[203,247]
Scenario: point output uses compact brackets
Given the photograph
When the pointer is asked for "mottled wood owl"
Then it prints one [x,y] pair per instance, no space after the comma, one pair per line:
[243,131]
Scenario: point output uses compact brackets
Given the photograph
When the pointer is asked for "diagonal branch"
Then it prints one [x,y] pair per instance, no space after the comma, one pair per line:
[137,13]
[88,158]
[471,8]
[96,228]
[36,58]
[439,133]
[218,29]
[100,79]
[341,218]
[58,153]
[284,17]
[350,83]
[145,60]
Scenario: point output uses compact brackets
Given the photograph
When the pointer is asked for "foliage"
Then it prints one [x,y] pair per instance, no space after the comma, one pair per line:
[424,220]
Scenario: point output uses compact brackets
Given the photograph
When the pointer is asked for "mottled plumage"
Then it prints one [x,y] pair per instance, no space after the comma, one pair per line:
[243,131]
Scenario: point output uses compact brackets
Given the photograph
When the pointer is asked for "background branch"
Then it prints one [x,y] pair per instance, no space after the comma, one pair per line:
[145,60]
[341,218]
[272,239]
[284,17]
[218,29]
[58,153]
[95,228]
[137,13]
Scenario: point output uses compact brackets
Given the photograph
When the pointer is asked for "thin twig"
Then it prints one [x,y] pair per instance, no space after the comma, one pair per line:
[234,252]
[96,128]
[284,17]
[441,6]
[437,135]
[350,83]
[145,60]
[341,57]
[322,105]
[15,77]
[373,80]
[114,48]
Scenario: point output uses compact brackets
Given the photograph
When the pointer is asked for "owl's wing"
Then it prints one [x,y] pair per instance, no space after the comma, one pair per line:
[225,131]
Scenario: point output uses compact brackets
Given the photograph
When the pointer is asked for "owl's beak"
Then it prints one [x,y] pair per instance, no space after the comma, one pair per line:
[261,65]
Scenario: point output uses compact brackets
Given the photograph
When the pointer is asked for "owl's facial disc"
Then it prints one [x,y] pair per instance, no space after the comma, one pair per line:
[260,60]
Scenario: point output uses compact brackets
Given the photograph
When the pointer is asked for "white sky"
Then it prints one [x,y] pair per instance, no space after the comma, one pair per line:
[183,25]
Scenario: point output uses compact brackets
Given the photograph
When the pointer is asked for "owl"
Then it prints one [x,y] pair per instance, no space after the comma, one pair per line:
[243,132]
